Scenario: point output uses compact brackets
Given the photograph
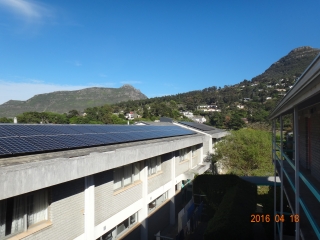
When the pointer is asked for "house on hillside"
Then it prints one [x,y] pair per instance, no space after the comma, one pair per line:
[187,114]
[297,161]
[132,115]
[245,120]
[198,119]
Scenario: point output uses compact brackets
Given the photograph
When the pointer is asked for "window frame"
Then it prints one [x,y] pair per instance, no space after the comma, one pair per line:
[154,165]
[26,213]
[135,169]
[158,201]
[114,234]
[183,154]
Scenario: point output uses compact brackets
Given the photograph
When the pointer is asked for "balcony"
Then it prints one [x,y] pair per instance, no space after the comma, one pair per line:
[309,197]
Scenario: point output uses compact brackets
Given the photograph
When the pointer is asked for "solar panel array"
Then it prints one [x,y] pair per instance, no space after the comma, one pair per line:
[199,126]
[26,138]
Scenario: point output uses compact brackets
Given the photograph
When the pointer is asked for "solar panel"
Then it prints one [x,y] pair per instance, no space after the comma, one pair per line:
[69,141]
[6,133]
[18,138]
[45,143]
[18,145]
[22,130]
[118,137]
[82,129]
[4,151]
[46,129]
[199,126]
[88,139]
[65,129]
[102,138]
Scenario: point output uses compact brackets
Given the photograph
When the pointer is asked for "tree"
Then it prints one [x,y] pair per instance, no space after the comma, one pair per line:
[247,152]
[236,122]
[145,112]
[73,113]
[6,120]
[216,119]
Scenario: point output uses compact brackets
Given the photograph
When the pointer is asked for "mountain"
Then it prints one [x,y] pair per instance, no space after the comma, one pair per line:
[289,66]
[64,101]
[252,99]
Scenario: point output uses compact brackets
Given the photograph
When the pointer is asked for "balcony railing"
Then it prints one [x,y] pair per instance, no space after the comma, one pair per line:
[310,186]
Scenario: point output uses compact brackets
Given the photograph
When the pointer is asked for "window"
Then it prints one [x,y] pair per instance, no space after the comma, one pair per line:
[120,228]
[126,175]
[183,153]
[154,165]
[17,214]
[194,151]
[157,202]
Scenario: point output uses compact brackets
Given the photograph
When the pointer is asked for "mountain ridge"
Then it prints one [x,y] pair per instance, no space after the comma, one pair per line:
[64,101]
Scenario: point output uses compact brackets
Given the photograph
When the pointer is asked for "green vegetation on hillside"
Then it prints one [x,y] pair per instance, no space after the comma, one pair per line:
[64,101]
[105,114]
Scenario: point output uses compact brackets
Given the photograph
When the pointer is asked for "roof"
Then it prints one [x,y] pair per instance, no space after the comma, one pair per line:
[198,126]
[214,132]
[22,139]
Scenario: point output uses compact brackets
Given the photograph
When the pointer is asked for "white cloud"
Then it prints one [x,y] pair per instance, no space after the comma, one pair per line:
[30,11]
[25,90]
[103,75]
[131,82]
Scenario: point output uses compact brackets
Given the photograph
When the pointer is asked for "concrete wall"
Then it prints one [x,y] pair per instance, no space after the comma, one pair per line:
[196,159]
[106,203]
[205,148]
[157,181]
[181,167]
[65,212]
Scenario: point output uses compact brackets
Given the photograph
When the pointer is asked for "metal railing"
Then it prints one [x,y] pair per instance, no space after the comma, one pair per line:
[309,185]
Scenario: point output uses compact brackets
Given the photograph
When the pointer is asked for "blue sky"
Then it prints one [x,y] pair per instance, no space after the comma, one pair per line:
[161,47]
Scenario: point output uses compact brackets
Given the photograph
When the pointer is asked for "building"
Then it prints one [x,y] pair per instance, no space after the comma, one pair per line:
[132,115]
[94,181]
[215,134]
[297,159]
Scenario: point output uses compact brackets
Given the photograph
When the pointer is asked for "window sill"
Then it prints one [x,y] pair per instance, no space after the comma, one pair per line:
[116,192]
[184,161]
[158,207]
[33,229]
[155,175]
[128,231]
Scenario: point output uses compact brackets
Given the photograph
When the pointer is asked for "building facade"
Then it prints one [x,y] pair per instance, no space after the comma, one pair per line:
[102,192]
[297,159]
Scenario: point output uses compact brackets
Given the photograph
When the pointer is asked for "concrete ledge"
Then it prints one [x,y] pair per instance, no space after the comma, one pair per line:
[32,230]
